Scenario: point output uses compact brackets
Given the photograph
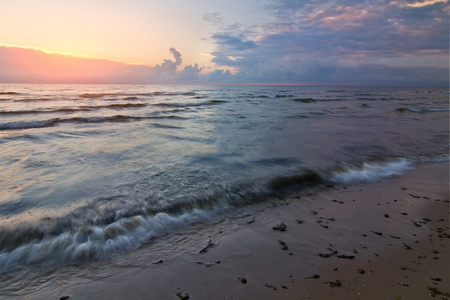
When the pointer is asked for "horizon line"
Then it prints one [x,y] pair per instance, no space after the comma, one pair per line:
[355,84]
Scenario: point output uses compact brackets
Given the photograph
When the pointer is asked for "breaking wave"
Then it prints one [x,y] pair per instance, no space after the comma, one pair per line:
[370,171]
[110,225]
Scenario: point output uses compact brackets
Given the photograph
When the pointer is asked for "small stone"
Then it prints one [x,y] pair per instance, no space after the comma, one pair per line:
[407,247]
[65,297]
[283,245]
[327,255]
[414,196]
[337,201]
[436,279]
[316,276]
[242,279]
[280,227]
[346,256]
[322,225]
[333,284]
[402,284]
[182,296]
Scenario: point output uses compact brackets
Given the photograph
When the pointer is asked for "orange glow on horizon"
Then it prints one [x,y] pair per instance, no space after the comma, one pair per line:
[38,65]
[69,54]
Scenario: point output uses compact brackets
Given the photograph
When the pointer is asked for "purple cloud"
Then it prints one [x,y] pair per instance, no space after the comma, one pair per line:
[233,42]
[378,41]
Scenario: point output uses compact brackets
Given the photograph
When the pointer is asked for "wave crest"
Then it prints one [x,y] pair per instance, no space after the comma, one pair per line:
[110,225]
[78,120]
[370,171]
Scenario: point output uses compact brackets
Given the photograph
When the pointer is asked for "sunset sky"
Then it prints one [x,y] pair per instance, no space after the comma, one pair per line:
[404,42]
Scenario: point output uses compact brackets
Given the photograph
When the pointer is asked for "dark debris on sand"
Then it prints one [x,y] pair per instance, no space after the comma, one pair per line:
[205,249]
[280,227]
[271,286]
[182,296]
[242,279]
[316,276]
[283,245]
[333,284]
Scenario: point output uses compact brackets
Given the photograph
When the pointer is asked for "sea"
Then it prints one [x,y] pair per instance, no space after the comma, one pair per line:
[93,172]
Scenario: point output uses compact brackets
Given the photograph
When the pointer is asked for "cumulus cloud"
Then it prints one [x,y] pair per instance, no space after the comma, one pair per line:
[169,67]
[176,55]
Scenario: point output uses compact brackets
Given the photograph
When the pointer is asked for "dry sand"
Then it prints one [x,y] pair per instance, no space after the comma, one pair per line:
[384,240]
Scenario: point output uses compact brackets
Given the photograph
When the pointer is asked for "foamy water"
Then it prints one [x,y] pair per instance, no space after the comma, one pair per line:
[88,171]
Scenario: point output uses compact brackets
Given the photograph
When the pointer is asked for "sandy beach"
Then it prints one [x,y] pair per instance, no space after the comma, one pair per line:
[384,240]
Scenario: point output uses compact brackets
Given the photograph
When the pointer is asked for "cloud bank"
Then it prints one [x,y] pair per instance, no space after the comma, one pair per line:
[371,42]
[364,42]
[24,65]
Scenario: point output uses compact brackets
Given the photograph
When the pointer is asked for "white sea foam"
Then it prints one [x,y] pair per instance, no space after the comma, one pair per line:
[434,159]
[95,242]
[370,171]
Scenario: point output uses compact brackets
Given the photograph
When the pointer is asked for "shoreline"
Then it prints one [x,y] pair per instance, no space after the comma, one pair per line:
[384,240]
[403,248]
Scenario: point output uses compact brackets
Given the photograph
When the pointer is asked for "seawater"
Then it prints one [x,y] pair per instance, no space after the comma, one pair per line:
[90,171]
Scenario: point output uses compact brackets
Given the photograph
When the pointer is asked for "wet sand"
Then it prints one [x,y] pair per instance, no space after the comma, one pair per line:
[384,240]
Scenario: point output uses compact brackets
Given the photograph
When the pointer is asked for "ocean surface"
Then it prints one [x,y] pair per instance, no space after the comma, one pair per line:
[88,172]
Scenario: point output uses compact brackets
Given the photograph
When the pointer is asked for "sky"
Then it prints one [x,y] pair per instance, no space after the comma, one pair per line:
[365,42]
